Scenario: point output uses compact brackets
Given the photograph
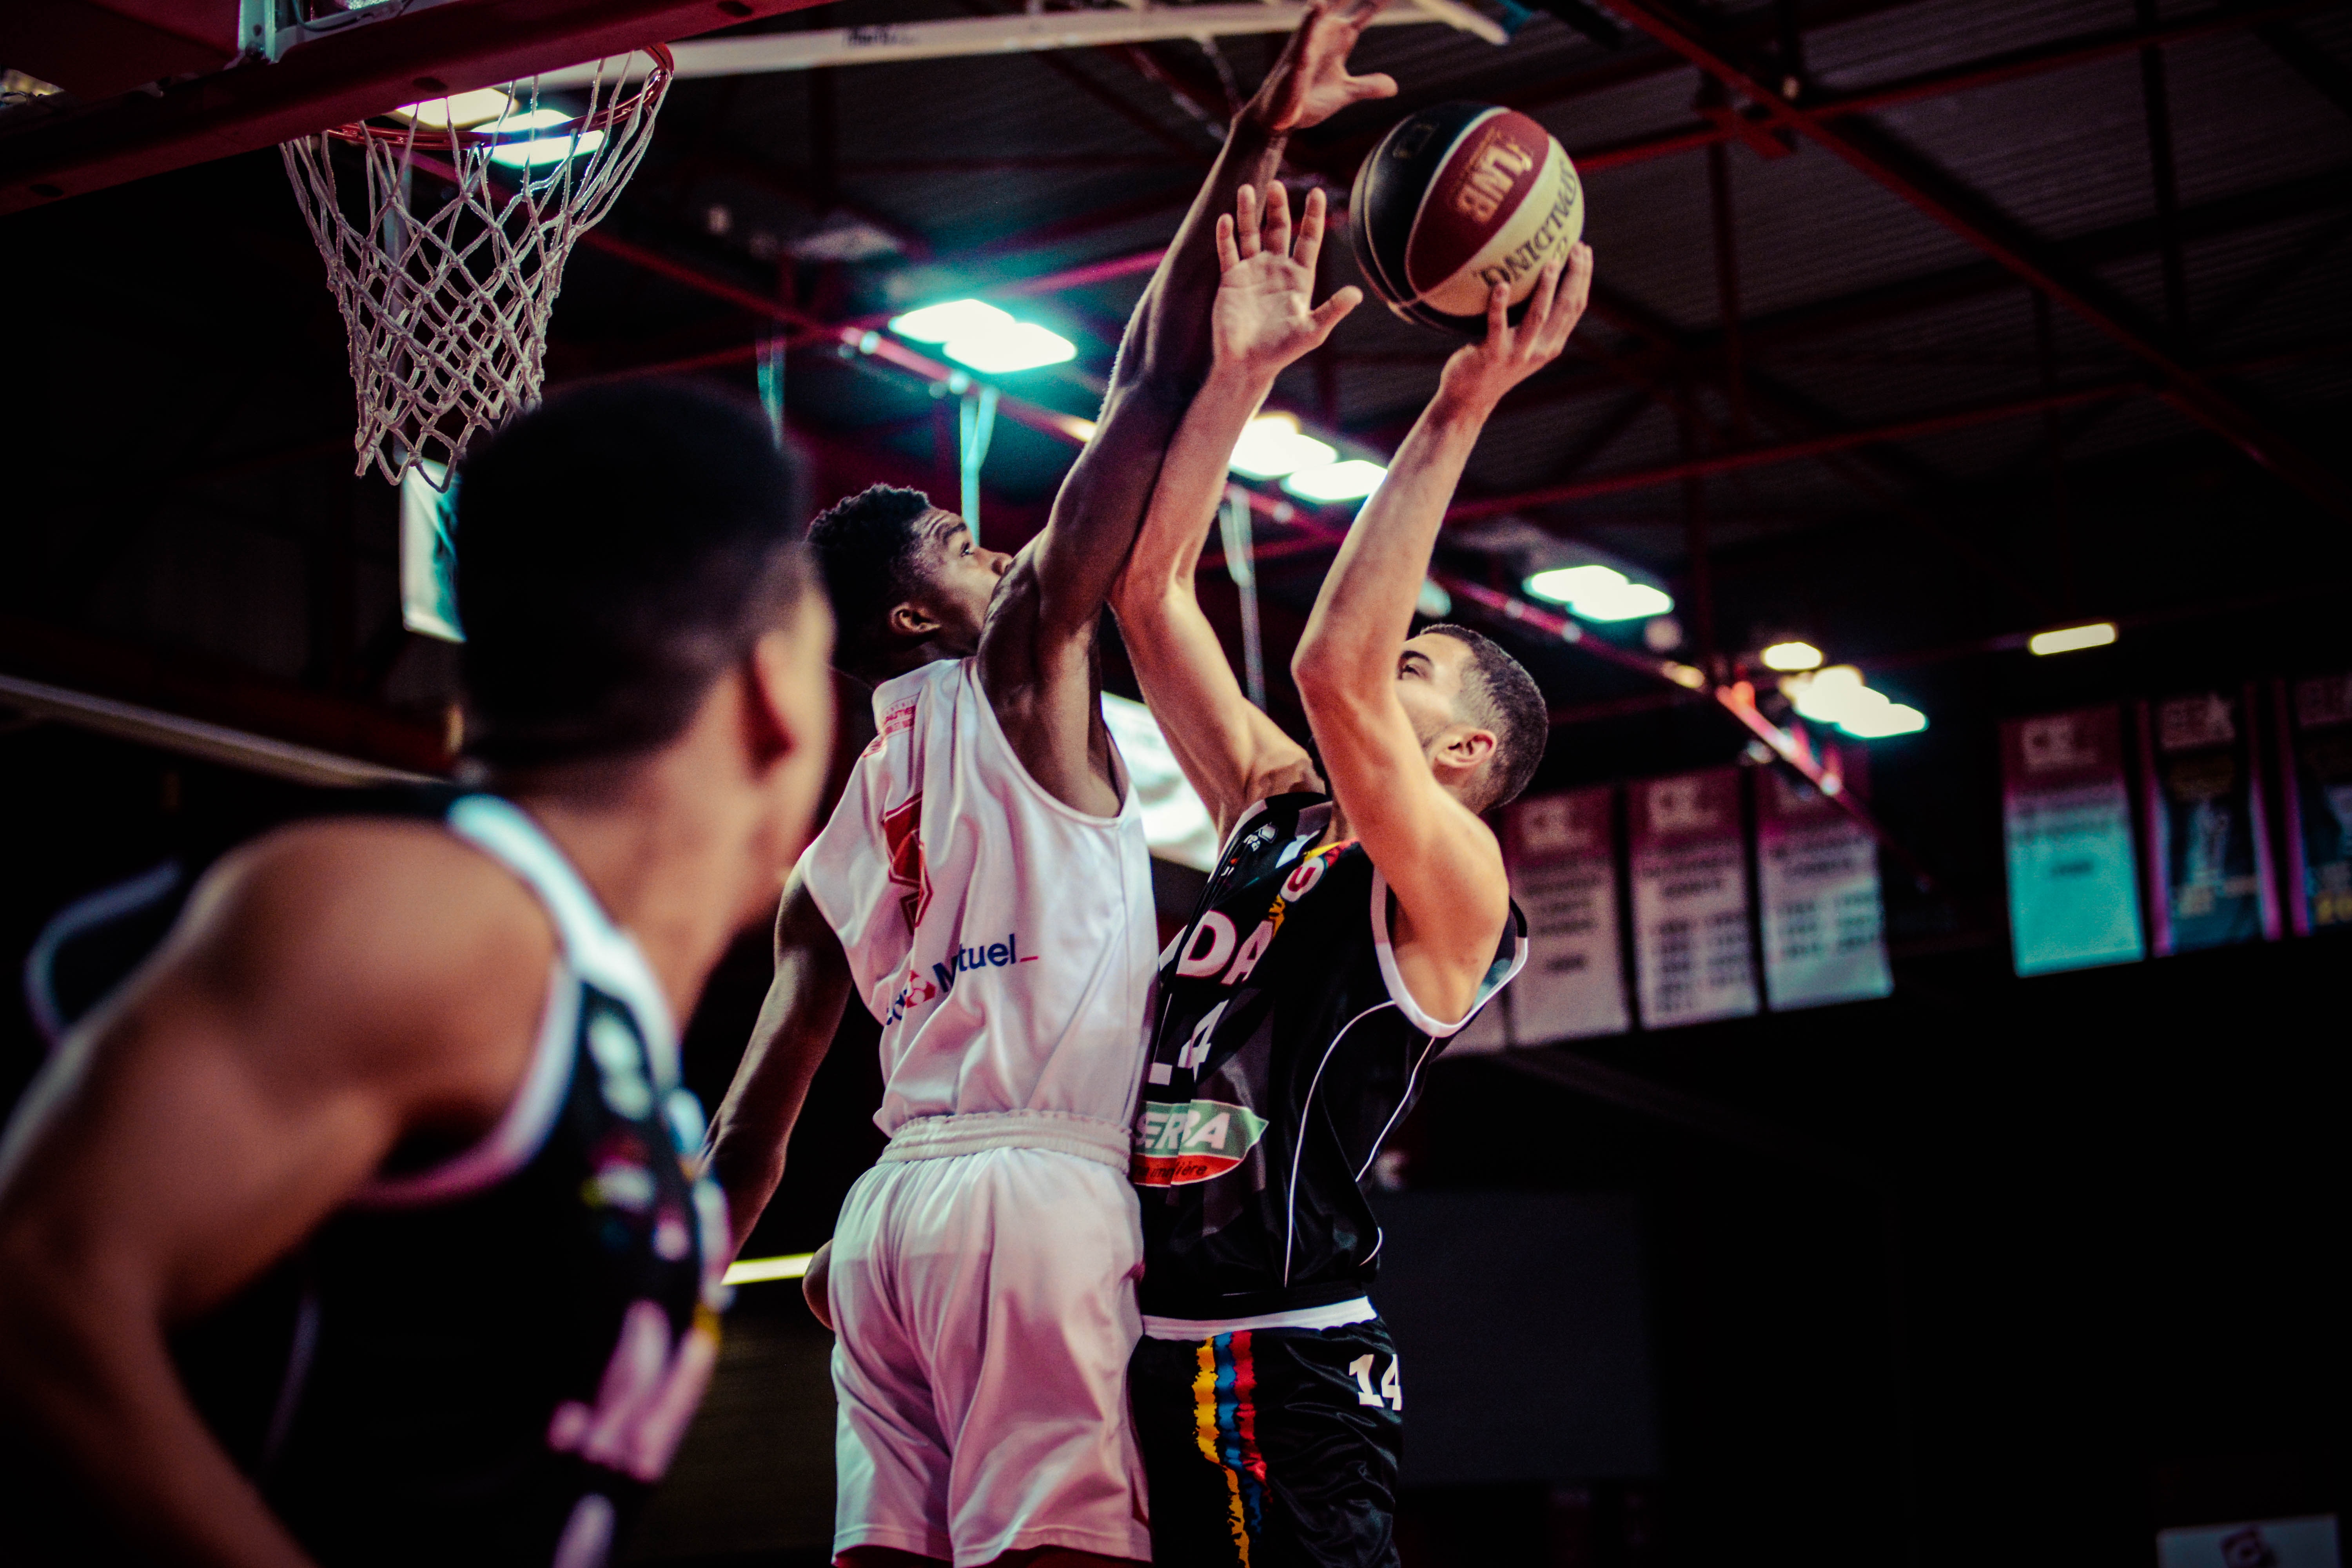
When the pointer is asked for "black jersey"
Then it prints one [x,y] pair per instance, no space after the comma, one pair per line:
[488,1358]
[1285,1049]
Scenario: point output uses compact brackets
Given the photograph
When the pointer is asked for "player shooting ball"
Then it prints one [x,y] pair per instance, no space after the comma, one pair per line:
[1342,940]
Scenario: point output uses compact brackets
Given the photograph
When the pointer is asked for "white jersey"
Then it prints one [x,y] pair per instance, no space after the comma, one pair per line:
[1005,939]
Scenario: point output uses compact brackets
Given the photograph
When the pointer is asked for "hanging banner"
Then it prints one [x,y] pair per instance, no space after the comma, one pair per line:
[2073,885]
[1563,853]
[2209,848]
[1817,878]
[1691,949]
[2315,761]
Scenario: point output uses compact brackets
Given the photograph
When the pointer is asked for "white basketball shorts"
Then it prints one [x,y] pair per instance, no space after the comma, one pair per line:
[985,1309]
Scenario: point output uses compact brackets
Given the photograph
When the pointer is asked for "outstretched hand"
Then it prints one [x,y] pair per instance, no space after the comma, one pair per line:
[1310,82]
[1480,373]
[1262,320]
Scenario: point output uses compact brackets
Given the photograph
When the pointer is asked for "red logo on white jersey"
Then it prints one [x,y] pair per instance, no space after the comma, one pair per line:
[902,834]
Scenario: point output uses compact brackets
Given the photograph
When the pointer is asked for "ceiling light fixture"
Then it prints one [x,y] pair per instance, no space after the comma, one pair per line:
[462,110]
[1837,696]
[1351,480]
[1791,655]
[544,150]
[1271,446]
[976,333]
[1597,593]
[2067,639]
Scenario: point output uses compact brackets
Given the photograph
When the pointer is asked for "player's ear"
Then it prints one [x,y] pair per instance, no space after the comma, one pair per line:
[1466,747]
[789,686]
[912,621]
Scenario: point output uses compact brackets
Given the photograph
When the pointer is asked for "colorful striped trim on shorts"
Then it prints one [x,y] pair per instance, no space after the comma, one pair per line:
[1225,1415]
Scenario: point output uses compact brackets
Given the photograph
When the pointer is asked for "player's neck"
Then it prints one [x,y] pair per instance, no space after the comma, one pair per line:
[677,847]
[889,664]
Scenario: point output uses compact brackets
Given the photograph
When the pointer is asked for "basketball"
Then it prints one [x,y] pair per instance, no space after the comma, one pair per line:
[1455,199]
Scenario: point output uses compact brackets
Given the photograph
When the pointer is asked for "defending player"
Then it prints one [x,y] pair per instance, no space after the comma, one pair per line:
[1342,940]
[360,1227]
[985,886]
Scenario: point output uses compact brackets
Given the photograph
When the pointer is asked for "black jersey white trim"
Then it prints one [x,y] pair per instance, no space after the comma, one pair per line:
[1393,978]
[590,951]
[1298,1145]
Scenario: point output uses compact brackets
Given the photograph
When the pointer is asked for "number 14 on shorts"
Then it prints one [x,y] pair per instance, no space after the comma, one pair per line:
[1390,1393]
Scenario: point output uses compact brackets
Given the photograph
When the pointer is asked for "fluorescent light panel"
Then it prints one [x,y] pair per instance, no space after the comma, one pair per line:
[546,150]
[1351,480]
[1597,593]
[1272,446]
[976,333]
[760,1271]
[1837,696]
[2068,639]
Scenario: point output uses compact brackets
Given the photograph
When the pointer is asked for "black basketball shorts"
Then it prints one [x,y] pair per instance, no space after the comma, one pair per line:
[1271,1447]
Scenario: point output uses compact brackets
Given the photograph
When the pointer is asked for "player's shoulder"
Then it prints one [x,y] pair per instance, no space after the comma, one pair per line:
[379,928]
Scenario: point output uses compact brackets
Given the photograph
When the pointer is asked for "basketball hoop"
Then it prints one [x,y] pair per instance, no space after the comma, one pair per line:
[446,297]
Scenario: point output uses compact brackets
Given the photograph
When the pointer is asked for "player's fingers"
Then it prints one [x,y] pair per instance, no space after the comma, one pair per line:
[1575,289]
[1277,218]
[1498,316]
[1375,84]
[1334,311]
[1539,302]
[1580,279]
[1228,258]
[1245,221]
[1310,231]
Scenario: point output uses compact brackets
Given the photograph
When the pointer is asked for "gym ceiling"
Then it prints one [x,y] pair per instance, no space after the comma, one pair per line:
[1921,324]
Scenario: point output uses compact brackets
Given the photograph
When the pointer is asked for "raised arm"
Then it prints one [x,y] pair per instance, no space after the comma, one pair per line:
[795,1028]
[320,1000]
[1035,651]
[1440,861]
[1232,755]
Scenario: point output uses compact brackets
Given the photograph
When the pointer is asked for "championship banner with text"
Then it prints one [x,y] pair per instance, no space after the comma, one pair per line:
[1691,950]
[1817,877]
[2315,746]
[2073,884]
[2208,847]
[1563,853]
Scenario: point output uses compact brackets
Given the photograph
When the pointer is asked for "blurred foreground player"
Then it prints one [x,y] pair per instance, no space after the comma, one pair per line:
[360,1227]
[1342,940]
[985,886]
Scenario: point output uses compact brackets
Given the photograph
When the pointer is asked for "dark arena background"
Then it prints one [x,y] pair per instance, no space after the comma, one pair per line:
[1988,1203]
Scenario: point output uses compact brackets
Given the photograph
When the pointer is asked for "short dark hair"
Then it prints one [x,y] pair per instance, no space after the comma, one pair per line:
[1502,696]
[866,548]
[616,549]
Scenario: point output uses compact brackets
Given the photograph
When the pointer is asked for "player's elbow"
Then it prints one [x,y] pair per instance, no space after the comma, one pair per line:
[1143,600]
[1324,676]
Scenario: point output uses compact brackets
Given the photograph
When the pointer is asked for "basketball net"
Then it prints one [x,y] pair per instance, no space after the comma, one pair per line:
[446,297]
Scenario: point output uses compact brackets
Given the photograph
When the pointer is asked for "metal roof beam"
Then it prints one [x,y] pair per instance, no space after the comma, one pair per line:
[2081,49]
[1906,174]
[350,75]
[1727,462]
[1020,33]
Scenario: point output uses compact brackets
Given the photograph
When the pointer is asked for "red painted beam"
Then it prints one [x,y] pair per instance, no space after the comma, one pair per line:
[2083,48]
[1082,277]
[365,70]
[1787,451]
[2000,239]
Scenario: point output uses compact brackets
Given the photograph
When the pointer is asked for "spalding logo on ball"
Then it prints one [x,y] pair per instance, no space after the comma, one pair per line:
[1456,199]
